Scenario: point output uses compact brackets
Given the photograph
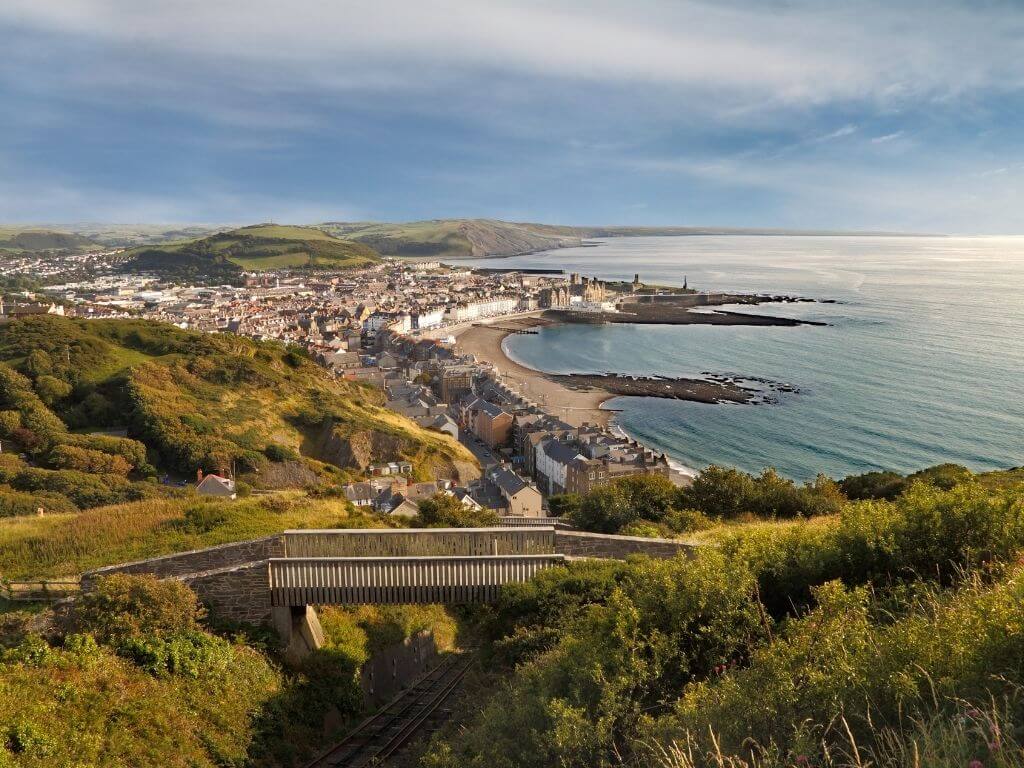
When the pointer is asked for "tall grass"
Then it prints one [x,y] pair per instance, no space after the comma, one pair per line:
[961,735]
[67,545]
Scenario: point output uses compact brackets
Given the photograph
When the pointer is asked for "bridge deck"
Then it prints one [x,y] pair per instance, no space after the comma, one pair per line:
[353,580]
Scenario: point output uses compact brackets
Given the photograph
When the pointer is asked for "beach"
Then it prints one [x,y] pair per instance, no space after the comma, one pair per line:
[577,397]
[575,406]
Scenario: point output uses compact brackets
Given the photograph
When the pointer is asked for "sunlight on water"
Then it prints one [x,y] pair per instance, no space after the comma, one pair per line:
[921,362]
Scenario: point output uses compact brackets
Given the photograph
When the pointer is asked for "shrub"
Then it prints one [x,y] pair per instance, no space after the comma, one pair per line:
[15,503]
[129,605]
[9,421]
[278,452]
[186,654]
[445,511]
[203,518]
[85,490]
[873,485]
[88,460]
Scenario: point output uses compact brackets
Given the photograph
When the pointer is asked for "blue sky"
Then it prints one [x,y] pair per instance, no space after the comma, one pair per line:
[861,115]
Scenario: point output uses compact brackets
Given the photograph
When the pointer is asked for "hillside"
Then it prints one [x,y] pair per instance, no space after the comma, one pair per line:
[455,238]
[224,255]
[15,240]
[187,401]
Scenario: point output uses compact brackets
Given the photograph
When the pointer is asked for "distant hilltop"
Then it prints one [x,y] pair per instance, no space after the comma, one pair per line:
[340,243]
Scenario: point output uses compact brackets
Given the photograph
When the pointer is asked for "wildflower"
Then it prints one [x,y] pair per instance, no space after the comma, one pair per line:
[975,764]
[803,761]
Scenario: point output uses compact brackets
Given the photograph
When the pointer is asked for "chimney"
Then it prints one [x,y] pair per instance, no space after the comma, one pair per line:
[199,475]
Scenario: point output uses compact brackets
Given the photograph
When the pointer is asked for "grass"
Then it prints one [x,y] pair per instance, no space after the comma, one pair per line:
[260,247]
[67,545]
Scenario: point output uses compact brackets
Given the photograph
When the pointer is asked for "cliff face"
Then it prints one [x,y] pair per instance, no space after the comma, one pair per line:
[358,449]
[498,238]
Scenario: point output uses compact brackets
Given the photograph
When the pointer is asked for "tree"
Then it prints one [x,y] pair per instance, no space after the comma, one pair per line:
[445,511]
[720,492]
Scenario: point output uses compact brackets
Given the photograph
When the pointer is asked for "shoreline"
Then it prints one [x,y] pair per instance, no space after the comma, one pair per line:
[485,341]
[578,397]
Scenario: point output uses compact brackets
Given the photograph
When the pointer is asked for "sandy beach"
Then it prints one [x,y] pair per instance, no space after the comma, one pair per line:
[572,405]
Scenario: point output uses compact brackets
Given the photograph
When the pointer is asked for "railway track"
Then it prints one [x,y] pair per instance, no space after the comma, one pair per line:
[382,735]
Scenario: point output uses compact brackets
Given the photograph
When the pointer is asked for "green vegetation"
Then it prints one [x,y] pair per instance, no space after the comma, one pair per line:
[68,544]
[190,401]
[884,633]
[132,675]
[15,240]
[446,511]
[221,257]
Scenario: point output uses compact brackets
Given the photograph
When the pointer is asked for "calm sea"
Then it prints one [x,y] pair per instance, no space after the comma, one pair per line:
[922,360]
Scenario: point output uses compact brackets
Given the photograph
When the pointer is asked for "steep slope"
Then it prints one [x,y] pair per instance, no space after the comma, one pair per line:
[196,401]
[455,238]
[223,256]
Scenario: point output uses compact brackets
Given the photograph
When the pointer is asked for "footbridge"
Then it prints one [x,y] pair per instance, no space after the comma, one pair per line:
[280,579]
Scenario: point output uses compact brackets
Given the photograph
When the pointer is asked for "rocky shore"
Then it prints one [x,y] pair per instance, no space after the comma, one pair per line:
[696,390]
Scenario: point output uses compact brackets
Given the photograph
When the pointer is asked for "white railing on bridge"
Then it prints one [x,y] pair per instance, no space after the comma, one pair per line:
[420,542]
[355,580]
[509,521]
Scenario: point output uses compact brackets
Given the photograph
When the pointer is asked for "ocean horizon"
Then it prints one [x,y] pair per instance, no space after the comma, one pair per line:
[918,363]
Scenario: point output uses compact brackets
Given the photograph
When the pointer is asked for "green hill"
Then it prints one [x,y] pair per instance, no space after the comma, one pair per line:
[14,240]
[188,401]
[455,238]
[223,256]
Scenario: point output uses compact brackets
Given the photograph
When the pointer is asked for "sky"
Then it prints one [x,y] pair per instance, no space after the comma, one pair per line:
[897,115]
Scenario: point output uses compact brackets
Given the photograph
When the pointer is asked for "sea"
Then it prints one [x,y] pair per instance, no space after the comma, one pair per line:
[921,360]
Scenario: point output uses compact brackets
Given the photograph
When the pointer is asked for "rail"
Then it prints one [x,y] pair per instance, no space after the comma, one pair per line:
[391,580]
[384,734]
[509,521]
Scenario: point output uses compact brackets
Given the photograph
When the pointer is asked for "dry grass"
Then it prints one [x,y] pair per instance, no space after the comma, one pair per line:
[67,545]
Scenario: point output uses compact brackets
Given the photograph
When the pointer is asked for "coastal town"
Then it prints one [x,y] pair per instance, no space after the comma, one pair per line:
[429,336]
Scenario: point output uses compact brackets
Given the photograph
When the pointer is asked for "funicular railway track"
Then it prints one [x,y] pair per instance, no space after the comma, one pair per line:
[384,734]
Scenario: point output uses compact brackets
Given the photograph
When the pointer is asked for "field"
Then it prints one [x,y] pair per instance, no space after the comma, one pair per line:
[223,255]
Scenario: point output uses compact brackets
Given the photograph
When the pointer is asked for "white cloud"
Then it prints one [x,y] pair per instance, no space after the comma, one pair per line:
[800,52]
[887,137]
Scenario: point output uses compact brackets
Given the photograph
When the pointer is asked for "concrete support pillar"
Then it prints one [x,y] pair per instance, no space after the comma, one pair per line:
[299,629]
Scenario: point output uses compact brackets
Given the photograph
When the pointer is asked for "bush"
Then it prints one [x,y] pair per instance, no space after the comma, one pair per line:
[445,511]
[15,503]
[278,452]
[186,654]
[87,460]
[873,485]
[85,490]
[129,605]
[9,421]
[729,493]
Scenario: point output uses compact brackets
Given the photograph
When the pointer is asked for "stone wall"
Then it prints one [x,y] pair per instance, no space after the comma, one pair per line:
[396,667]
[197,560]
[235,593]
[584,544]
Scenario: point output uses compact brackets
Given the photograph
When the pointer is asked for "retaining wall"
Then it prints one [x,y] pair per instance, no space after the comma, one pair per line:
[198,560]
[235,593]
